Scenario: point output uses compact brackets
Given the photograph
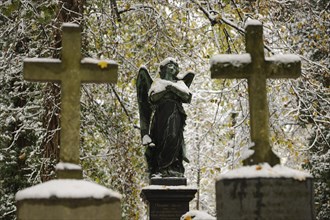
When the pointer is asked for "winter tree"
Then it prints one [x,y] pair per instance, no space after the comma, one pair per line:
[135,33]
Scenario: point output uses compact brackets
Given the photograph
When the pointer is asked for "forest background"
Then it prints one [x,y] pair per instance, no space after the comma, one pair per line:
[138,33]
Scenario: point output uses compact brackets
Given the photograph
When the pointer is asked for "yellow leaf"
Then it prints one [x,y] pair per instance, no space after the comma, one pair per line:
[102,64]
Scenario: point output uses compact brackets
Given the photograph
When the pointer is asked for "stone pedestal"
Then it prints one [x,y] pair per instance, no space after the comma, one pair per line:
[263,192]
[167,202]
[67,200]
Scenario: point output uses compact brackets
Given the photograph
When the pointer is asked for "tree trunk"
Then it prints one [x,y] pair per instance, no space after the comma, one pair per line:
[68,11]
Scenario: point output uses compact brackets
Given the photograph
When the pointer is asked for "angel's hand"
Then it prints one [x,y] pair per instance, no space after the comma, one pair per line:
[146,141]
[170,88]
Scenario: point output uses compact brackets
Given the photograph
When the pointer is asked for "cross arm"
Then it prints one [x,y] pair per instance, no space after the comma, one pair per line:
[283,66]
[230,66]
[98,71]
[42,69]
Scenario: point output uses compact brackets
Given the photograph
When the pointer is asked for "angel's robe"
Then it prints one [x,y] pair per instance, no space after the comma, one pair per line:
[167,129]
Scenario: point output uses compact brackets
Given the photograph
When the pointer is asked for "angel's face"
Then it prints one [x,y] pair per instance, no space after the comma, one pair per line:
[171,70]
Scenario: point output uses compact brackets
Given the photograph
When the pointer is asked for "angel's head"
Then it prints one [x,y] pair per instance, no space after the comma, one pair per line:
[169,69]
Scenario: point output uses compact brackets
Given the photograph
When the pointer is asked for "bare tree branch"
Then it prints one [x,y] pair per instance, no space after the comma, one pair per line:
[114,8]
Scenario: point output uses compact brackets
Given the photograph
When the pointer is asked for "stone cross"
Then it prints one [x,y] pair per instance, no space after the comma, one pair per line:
[71,71]
[254,67]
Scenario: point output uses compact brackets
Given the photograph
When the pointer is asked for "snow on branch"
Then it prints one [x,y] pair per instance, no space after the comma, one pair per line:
[215,19]
[136,7]
[219,19]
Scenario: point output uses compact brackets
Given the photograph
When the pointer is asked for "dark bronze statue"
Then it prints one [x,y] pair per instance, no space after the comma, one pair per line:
[162,118]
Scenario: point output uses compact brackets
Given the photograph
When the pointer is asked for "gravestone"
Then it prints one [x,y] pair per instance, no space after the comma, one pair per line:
[260,191]
[69,197]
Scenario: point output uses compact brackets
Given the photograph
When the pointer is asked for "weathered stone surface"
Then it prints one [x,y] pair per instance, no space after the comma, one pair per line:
[167,202]
[264,198]
[256,68]
[68,209]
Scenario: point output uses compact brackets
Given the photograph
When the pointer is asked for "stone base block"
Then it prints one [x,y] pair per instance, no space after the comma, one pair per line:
[169,181]
[264,198]
[167,202]
[68,209]
[67,200]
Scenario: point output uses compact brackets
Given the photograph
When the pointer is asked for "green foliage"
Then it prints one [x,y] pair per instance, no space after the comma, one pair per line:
[21,104]
[19,140]
[111,153]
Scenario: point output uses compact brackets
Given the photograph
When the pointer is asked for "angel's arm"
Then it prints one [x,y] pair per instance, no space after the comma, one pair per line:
[184,96]
[155,97]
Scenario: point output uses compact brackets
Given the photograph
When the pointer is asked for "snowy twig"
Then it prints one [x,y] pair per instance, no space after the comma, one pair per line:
[121,103]
[137,7]
[219,20]
[114,7]
[314,121]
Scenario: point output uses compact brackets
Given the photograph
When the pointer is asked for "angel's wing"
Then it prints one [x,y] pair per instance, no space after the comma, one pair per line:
[187,78]
[143,84]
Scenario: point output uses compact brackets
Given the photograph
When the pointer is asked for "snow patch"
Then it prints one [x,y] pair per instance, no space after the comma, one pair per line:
[146,140]
[69,24]
[89,60]
[66,189]
[41,60]
[67,166]
[252,22]
[247,151]
[167,61]
[265,171]
[284,58]
[160,85]
[144,67]
[164,187]
[236,60]
[197,215]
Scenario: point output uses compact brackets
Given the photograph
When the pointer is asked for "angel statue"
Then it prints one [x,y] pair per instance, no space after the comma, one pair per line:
[162,118]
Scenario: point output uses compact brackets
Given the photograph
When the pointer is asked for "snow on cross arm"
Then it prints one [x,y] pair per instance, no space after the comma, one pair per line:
[284,58]
[90,60]
[231,59]
[41,60]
